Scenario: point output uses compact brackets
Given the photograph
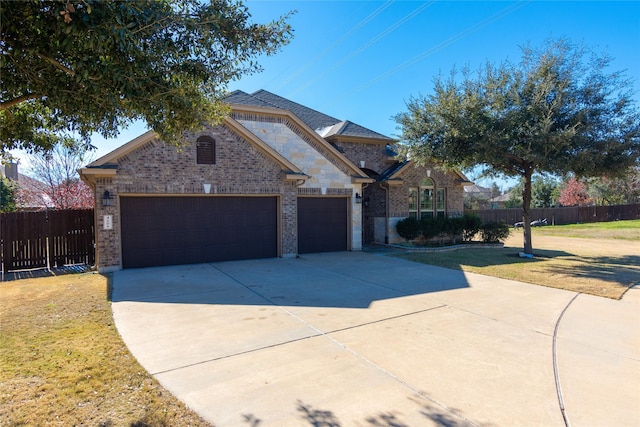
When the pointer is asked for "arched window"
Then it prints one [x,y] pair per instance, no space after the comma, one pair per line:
[426,198]
[427,201]
[206,150]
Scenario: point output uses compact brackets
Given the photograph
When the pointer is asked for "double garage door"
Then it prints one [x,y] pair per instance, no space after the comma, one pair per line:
[190,230]
[160,231]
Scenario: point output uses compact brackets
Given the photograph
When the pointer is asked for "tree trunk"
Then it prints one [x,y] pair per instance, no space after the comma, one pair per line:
[526,213]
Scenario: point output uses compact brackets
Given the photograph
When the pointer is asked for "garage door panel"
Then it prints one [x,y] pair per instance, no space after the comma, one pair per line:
[185,230]
[322,224]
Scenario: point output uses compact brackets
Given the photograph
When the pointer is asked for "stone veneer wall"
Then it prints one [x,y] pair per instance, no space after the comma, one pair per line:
[327,172]
[158,168]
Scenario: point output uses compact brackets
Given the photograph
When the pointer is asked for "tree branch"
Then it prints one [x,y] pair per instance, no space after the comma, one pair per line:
[5,105]
[57,64]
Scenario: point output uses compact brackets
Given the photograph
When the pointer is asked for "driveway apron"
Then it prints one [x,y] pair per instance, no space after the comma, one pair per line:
[350,338]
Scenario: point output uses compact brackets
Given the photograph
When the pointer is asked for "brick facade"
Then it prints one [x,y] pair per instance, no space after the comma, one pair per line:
[157,168]
[268,152]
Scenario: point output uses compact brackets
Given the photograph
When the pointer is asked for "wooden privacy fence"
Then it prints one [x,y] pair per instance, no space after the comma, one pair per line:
[564,215]
[46,239]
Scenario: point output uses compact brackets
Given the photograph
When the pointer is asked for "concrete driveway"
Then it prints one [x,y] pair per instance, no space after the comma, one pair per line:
[357,339]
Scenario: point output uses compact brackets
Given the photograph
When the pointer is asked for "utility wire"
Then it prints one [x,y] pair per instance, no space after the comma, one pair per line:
[366,45]
[335,44]
[467,32]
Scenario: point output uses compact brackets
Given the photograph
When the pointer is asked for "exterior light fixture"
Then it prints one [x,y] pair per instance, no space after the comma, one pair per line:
[358,198]
[107,199]
[429,173]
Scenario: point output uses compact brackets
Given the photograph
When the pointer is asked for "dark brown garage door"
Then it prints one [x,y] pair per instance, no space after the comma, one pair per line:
[322,224]
[189,230]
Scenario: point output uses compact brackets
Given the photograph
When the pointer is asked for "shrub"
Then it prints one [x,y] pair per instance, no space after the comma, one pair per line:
[408,228]
[471,224]
[494,232]
[431,227]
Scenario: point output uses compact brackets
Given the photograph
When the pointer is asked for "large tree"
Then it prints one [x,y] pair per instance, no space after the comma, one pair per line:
[559,110]
[73,67]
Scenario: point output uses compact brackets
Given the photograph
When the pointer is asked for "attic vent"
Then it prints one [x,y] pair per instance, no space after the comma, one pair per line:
[206,150]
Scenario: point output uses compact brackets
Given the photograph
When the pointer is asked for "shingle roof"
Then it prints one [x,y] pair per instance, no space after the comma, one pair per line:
[322,123]
[392,170]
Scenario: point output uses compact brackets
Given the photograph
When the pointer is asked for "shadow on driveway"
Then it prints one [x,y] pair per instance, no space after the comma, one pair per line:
[343,280]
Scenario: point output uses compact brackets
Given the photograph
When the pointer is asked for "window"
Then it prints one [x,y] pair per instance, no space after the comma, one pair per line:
[206,150]
[413,202]
[427,201]
[441,203]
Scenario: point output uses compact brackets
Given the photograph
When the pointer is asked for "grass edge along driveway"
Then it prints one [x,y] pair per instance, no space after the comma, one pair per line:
[64,363]
[604,261]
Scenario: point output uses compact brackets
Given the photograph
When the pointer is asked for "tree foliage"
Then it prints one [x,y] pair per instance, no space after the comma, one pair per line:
[74,67]
[7,194]
[616,191]
[559,110]
[574,193]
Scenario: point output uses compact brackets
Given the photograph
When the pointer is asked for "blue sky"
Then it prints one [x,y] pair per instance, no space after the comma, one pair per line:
[362,60]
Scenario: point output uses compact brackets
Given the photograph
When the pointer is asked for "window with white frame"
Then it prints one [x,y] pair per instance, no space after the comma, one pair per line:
[427,201]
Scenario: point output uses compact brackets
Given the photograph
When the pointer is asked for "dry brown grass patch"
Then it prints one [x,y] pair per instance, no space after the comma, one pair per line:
[63,362]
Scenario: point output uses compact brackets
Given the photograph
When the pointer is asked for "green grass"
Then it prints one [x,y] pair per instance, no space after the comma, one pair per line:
[618,230]
[583,258]
[64,363]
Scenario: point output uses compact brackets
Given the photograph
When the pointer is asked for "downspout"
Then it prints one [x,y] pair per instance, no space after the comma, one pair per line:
[386,207]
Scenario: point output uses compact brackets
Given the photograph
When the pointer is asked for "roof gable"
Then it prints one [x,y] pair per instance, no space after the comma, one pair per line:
[323,124]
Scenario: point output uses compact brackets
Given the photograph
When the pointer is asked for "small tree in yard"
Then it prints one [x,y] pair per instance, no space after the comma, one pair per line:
[61,185]
[556,112]
[574,193]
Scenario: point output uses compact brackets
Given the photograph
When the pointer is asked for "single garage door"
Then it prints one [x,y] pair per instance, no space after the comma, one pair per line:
[189,230]
[322,224]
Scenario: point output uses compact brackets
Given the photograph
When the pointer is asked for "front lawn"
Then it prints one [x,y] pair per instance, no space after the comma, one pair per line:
[601,259]
[63,363]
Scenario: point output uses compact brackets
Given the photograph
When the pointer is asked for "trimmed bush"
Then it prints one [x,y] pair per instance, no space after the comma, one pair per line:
[431,227]
[471,224]
[408,228]
[494,232]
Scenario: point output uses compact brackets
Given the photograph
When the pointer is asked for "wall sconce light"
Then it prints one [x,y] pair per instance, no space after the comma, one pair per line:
[107,199]
[429,173]
[358,198]
[362,163]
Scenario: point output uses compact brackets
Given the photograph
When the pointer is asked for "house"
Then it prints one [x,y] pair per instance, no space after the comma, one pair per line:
[31,194]
[275,179]
[477,197]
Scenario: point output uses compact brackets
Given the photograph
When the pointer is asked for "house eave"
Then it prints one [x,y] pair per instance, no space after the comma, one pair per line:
[394,182]
[360,180]
[124,149]
[359,139]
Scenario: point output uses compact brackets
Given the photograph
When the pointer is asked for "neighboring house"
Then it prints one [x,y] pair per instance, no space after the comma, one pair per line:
[31,194]
[500,202]
[275,179]
[477,197]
